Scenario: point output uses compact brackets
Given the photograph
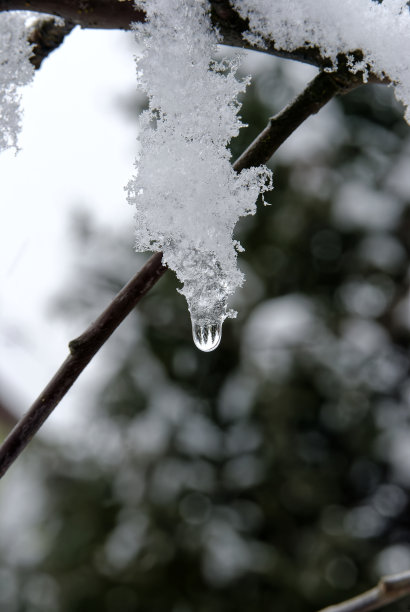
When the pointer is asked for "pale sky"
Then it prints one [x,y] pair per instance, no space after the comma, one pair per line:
[77,150]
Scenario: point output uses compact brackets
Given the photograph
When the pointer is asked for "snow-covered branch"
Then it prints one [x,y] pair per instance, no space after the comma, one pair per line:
[389,589]
[83,349]
[112,14]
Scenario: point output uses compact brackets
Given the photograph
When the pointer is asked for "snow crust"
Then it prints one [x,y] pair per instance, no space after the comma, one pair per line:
[15,72]
[187,195]
[380,30]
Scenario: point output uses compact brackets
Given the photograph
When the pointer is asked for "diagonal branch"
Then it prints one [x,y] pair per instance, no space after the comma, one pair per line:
[82,350]
[389,589]
[319,91]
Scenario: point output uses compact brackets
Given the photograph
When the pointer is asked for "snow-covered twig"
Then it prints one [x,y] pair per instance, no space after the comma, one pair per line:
[389,589]
[83,349]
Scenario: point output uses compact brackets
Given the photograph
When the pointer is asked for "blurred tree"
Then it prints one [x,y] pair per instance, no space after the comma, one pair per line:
[272,473]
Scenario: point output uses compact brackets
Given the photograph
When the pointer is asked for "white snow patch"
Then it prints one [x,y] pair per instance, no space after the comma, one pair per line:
[187,195]
[379,30]
[15,72]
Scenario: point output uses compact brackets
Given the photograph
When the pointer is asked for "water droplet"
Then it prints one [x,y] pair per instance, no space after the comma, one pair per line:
[207,336]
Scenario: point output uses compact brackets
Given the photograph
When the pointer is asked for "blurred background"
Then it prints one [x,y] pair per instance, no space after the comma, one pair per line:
[271,474]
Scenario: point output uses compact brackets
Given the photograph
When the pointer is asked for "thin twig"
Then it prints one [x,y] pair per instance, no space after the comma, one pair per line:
[317,93]
[389,589]
[82,350]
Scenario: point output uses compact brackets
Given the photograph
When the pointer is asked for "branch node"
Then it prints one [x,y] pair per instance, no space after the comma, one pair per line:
[74,345]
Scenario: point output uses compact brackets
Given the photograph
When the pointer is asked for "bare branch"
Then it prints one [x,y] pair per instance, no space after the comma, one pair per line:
[82,350]
[46,35]
[389,589]
[317,93]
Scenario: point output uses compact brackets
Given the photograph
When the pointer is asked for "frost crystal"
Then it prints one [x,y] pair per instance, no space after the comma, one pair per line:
[379,29]
[187,195]
[15,71]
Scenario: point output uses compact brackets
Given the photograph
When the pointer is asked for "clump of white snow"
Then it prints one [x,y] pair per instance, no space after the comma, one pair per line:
[187,195]
[379,29]
[15,71]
